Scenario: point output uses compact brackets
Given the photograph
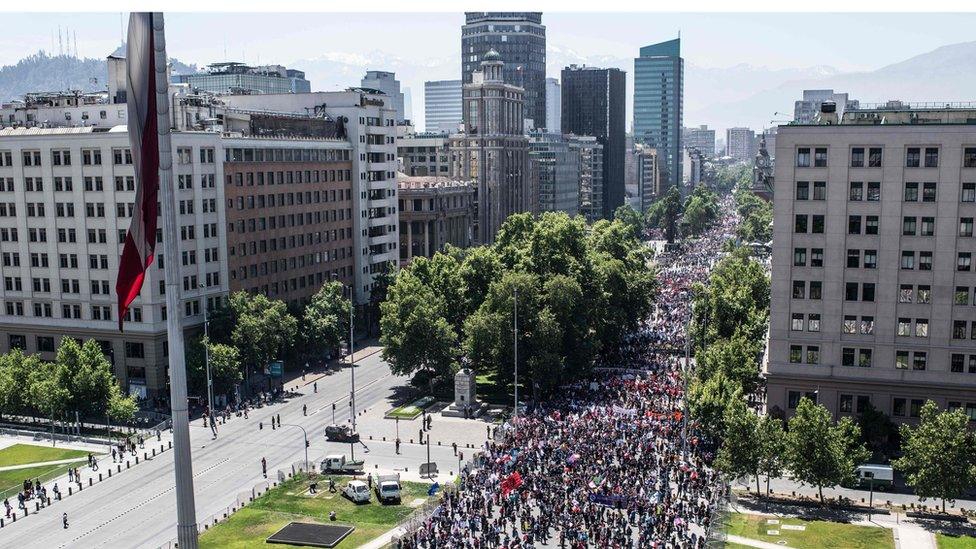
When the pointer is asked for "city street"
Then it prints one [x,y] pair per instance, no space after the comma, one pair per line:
[138,509]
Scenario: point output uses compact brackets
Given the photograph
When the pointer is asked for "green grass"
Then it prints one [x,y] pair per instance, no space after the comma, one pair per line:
[946,541]
[817,535]
[291,502]
[492,393]
[12,482]
[410,411]
[21,454]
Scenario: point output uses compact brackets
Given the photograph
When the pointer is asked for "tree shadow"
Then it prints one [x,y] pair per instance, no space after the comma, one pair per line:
[804,510]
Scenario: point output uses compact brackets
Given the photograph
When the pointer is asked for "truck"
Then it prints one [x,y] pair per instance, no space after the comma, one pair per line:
[338,464]
[341,433]
[356,491]
[387,488]
[881,476]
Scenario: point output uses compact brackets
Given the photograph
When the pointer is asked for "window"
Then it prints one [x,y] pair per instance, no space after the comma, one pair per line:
[799,257]
[850,324]
[846,403]
[916,407]
[867,291]
[857,157]
[797,322]
[819,190]
[958,329]
[870,259]
[802,191]
[909,226]
[911,192]
[874,191]
[964,261]
[898,407]
[931,157]
[817,225]
[874,157]
[901,360]
[796,354]
[928,192]
[813,322]
[920,359]
[864,358]
[134,350]
[924,294]
[965,226]
[820,157]
[816,257]
[956,363]
[850,291]
[800,224]
[856,192]
[904,327]
[816,289]
[863,402]
[921,327]
[968,192]
[908,260]
[853,224]
[867,325]
[871,224]
[803,157]
[793,399]
[928,226]
[913,157]
[925,261]
[853,259]
[969,157]
[799,289]
[813,354]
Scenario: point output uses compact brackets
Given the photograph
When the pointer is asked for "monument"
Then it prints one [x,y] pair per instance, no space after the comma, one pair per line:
[466,403]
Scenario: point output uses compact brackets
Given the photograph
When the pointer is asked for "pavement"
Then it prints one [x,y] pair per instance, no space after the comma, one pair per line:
[138,508]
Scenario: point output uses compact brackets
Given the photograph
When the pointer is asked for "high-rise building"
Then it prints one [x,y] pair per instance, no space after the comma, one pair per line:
[648,175]
[740,143]
[554,168]
[659,104]
[594,104]
[701,139]
[806,109]
[691,168]
[520,39]
[233,77]
[493,150]
[423,153]
[554,105]
[873,279]
[589,151]
[442,106]
[387,83]
[434,211]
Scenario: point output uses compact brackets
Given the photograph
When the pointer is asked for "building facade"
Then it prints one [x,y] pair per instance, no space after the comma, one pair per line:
[233,77]
[872,277]
[648,176]
[589,151]
[691,168]
[442,106]
[423,154]
[806,109]
[554,167]
[594,103]
[701,139]
[554,105]
[387,83]
[659,104]
[434,212]
[740,143]
[520,39]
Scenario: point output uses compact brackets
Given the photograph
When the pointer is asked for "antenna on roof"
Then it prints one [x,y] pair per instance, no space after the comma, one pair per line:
[60,43]
[121,32]
[75,36]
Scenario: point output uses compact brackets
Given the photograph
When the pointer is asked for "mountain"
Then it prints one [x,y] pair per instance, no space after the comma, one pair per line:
[45,73]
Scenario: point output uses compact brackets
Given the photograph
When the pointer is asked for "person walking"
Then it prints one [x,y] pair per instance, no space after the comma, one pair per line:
[64,520]
[304,409]
[264,467]
[315,387]
[113,455]
[397,447]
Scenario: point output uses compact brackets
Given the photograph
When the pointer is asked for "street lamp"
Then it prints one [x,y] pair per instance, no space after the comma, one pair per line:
[206,353]
[305,436]
[352,354]
[515,339]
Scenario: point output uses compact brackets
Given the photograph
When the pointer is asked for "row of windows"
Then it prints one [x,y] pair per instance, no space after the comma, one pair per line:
[900,407]
[285,155]
[915,157]
[287,177]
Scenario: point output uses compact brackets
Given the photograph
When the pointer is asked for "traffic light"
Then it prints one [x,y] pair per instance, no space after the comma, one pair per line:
[333,406]
[307,444]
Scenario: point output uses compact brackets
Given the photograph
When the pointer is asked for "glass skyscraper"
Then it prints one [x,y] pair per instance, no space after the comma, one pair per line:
[442,105]
[659,105]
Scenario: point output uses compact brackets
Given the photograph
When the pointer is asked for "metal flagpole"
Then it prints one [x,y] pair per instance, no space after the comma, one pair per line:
[515,339]
[185,507]
[352,354]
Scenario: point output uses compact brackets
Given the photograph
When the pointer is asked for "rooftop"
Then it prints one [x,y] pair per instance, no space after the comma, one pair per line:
[433,182]
[899,113]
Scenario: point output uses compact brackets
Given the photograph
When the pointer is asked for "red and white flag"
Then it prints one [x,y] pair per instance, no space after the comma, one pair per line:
[140,241]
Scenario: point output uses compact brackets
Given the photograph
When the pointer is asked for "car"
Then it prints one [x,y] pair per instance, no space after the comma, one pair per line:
[357,491]
[878,476]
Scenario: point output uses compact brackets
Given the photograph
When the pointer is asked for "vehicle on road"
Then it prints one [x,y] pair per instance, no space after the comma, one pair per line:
[338,464]
[388,488]
[881,476]
[341,433]
[356,491]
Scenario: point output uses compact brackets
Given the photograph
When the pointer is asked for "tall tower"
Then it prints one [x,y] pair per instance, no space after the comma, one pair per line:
[659,104]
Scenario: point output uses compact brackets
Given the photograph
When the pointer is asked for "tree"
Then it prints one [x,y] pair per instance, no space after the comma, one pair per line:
[737,358]
[771,441]
[225,367]
[47,393]
[479,269]
[15,371]
[757,217]
[819,452]
[740,455]
[86,374]
[629,218]
[736,300]
[700,210]
[121,408]
[939,459]
[664,213]
[708,400]
[877,430]
[263,329]
[325,319]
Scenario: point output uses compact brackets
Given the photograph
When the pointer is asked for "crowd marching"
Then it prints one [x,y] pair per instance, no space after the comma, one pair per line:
[612,461]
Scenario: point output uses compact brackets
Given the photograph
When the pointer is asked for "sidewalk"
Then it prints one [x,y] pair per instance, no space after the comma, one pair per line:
[755,542]
[42,463]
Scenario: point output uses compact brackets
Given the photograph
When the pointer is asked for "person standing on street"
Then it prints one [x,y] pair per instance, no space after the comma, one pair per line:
[304,409]
[264,467]
[64,520]
[398,446]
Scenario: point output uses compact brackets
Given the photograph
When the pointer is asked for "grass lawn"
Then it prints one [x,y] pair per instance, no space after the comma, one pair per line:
[492,393]
[816,534]
[20,454]
[410,411]
[955,542]
[11,482]
[291,502]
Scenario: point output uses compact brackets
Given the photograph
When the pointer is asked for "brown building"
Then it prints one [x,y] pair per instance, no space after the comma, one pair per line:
[434,212]
[289,215]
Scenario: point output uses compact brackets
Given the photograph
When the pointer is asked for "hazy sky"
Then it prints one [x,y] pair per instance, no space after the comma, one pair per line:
[845,41]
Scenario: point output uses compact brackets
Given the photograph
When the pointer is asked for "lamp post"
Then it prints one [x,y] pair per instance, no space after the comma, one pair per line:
[352,362]
[206,352]
[515,339]
[305,436]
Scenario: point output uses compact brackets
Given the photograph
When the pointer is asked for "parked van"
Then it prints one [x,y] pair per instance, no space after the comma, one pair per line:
[881,475]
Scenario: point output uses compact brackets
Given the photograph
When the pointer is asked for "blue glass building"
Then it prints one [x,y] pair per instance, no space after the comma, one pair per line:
[659,105]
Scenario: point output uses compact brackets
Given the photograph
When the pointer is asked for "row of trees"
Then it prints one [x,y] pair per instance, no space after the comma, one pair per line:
[693,217]
[577,290]
[757,217]
[79,380]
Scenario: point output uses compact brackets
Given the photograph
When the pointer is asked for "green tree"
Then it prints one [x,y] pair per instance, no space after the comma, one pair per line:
[442,274]
[737,357]
[771,441]
[939,455]
[225,367]
[479,269]
[86,374]
[121,408]
[263,330]
[629,218]
[15,371]
[47,393]
[700,210]
[736,300]
[708,401]
[757,217]
[325,320]
[740,455]
[663,214]
[877,430]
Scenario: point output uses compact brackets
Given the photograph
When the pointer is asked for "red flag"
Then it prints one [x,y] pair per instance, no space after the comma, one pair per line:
[140,241]
[511,482]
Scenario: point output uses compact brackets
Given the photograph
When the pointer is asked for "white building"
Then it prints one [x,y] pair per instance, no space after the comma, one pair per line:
[442,105]
[806,109]
[700,138]
[424,153]
[554,105]
[387,83]
[740,143]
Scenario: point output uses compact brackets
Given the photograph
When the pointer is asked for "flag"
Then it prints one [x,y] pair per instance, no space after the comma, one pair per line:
[140,241]
[511,482]
[433,489]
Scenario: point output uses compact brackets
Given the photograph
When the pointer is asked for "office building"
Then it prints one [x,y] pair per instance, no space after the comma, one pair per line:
[554,169]
[873,280]
[434,211]
[519,38]
[701,139]
[594,104]
[423,153]
[648,175]
[740,143]
[233,77]
[442,106]
[589,152]
[806,109]
[691,168]
[387,83]
[659,104]
[554,106]
[492,151]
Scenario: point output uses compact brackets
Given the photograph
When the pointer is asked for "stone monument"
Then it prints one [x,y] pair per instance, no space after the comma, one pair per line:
[466,403]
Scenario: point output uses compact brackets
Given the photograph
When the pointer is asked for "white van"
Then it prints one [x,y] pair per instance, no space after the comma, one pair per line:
[881,475]
[356,491]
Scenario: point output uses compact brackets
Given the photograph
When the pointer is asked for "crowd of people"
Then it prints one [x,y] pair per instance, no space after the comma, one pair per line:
[612,461]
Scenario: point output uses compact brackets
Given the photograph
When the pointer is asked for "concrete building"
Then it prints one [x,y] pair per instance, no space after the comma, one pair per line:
[659,104]
[424,153]
[519,38]
[589,151]
[387,83]
[701,139]
[594,103]
[691,168]
[806,109]
[442,106]
[434,212]
[554,105]
[554,168]
[649,183]
[872,275]
[493,151]
[233,77]
[740,143]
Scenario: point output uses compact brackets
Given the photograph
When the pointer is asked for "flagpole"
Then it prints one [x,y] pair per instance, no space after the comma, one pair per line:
[186,526]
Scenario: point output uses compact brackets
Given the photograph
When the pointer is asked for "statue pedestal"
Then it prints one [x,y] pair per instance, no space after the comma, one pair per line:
[465,403]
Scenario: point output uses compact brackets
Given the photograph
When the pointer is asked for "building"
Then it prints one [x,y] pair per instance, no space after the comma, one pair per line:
[424,153]
[554,105]
[519,38]
[233,77]
[493,151]
[589,151]
[442,106]
[659,104]
[387,83]
[648,176]
[691,168]
[701,139]
[740,143]
[554,168]
[62,109]
[630,173]
[872,273]
[769,135]
[594,104]
[762,171]
[806,109]
[434,212]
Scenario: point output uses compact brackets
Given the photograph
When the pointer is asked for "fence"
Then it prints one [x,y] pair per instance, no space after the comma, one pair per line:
[419,516]
[718,524]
